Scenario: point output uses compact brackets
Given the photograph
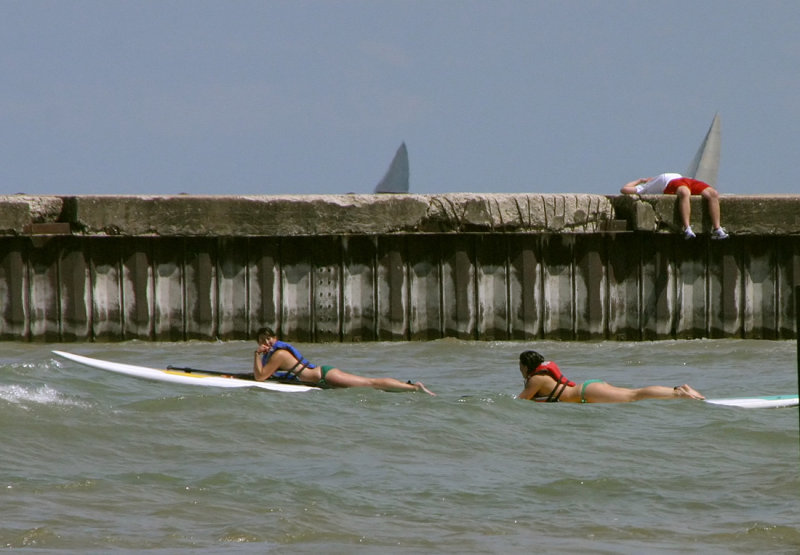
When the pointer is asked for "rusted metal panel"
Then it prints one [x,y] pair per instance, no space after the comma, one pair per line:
[658,287]
[691,302]
[297,275]
[591,287]
[200,288]
[106,288]
[524,287]
[48,228]
[760,288]
[14,300]
[559,286]
[788,263]
[492,287]
[425,288]
[138,289]
[351,288]
[44,293]
[392,287]
[232,302]
[168,290]
[264,285]
[624,287]
[458,286]
[327,286]
[74,277]
[725,290]
[358,288]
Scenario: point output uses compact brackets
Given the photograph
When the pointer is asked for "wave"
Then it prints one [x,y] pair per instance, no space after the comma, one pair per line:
[26,397]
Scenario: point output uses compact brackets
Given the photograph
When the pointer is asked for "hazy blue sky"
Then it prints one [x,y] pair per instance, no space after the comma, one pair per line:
[270,97]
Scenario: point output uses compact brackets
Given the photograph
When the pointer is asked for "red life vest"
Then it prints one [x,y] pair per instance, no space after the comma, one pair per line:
[551,369]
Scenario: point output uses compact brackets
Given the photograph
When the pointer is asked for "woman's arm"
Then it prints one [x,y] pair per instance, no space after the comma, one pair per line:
[630,188]
[263,371]
[532,387]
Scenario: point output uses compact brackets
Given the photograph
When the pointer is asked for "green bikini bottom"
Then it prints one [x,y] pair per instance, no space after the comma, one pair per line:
[583,389]
[324,369]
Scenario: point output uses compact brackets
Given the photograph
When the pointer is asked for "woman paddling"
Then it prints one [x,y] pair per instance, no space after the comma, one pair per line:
[545,383]
[273,356]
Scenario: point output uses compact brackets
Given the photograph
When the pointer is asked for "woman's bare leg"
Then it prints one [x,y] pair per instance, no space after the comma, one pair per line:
[684,207]
[605,393]
[340,378]
[712,196]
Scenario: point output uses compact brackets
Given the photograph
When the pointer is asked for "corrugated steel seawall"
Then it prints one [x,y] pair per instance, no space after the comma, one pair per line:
[406,286]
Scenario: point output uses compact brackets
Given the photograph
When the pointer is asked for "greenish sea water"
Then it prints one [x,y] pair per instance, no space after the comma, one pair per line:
[94,462]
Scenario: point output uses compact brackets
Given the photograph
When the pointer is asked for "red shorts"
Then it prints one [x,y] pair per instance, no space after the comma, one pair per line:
[695,186]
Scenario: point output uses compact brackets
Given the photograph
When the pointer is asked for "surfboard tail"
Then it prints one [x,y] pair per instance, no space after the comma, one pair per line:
[761,402]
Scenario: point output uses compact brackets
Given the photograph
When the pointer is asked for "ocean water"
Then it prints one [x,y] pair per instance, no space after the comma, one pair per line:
[94,462]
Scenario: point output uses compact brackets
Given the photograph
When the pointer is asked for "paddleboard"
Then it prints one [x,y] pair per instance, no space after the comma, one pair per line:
[764,402]
[193,377]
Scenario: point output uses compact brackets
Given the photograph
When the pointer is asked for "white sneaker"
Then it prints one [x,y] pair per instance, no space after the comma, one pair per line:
[719,233]
[688,233]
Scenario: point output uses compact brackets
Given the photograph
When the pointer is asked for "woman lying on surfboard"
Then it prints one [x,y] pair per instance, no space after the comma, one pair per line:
[544,382]
[273,356]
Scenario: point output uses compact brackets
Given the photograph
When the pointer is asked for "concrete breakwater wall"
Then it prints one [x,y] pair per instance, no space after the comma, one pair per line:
[397,267]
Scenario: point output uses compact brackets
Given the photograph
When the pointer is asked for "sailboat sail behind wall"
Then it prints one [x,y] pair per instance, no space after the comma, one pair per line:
[396,178]
[705,165]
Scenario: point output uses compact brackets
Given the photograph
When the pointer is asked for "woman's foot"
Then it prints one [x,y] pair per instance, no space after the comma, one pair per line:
[719,233]
[421,387]
[687,392]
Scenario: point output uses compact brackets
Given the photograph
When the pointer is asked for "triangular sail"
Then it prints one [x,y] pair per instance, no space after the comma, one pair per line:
[396,178]
[705,165]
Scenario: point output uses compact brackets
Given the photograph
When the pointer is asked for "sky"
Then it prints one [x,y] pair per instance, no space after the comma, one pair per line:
[315,96]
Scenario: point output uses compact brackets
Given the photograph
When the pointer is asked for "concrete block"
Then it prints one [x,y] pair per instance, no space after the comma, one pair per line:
[19,211]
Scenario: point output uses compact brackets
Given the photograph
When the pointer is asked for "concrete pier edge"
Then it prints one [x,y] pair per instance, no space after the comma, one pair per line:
[397,267]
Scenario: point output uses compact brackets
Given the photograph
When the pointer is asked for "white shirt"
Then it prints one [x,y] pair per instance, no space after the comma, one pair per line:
[657,184]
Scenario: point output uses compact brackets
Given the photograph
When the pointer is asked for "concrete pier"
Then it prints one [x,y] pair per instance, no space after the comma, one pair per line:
[375,267]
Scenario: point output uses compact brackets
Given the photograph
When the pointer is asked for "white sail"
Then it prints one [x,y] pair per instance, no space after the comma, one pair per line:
[705,165]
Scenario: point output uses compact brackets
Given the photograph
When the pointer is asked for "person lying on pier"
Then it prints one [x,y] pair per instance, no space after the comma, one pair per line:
[273,357]
[683,187]
[545,383]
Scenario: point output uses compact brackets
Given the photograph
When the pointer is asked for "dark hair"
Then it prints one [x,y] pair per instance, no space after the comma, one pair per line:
[531,360]
[268,332]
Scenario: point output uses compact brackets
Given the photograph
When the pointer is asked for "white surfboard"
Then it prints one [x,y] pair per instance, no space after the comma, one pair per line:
[764,402]
[195,377]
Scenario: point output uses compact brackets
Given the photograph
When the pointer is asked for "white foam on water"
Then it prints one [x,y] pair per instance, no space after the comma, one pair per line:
[43,395]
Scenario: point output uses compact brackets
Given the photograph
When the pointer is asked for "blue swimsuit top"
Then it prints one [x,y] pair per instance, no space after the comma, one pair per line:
[292,374]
